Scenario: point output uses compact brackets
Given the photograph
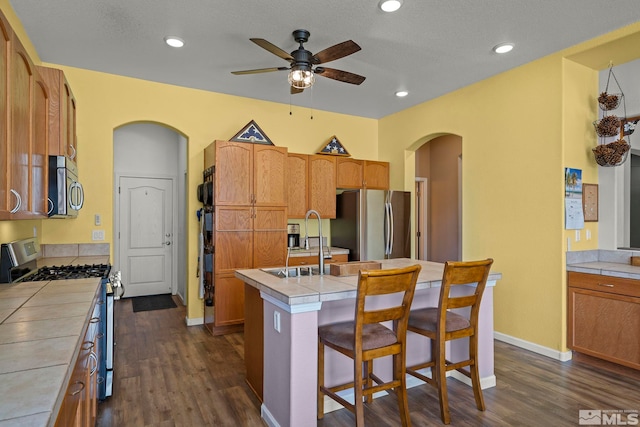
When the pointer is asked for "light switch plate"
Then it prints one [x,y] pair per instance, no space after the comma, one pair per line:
[98,219]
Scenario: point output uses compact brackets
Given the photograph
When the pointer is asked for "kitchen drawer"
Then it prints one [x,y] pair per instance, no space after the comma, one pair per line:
[609,284]
[313,260]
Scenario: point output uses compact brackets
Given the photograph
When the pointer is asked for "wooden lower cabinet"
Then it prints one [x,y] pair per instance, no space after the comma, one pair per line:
[604,317]
[254,339]
[79,407]
[229,300]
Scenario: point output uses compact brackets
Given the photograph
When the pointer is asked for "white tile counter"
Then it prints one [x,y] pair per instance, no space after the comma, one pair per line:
[41,329]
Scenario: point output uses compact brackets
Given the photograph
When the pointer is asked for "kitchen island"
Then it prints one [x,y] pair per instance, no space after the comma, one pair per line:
[294,307]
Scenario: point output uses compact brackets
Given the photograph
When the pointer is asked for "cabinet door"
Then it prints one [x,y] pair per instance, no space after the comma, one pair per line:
[605,325]
[376,175]
[269,175]
[40,148]
[62,113]
[234,163]
[233,245]
[297,175]
[322,185]
[349,173]
[21,79]
[228,297]
[5,195]
[269,237]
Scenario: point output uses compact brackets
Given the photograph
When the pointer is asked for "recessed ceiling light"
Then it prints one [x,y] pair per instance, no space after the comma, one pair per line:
[402,93]
[390,5]
[503,48]
[174,41]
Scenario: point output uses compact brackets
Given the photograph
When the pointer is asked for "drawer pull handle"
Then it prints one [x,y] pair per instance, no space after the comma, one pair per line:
[608,285]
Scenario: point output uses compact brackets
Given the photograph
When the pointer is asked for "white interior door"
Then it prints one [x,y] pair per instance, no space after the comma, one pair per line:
[146,235]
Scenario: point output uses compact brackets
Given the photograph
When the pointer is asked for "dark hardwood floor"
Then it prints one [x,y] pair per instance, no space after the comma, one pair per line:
[168,374]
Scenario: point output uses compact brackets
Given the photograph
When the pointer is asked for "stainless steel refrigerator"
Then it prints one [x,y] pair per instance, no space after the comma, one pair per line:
[373,224]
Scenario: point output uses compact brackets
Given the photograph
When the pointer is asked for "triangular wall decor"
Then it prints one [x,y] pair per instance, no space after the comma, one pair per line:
[334,147]
[253,134]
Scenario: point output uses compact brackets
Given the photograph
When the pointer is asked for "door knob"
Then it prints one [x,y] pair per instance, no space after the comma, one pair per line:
[167,243]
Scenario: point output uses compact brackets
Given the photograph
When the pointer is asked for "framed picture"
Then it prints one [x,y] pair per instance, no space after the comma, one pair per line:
[590,202]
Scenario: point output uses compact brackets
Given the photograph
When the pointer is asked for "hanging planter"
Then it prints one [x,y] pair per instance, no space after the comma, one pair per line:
[612,153]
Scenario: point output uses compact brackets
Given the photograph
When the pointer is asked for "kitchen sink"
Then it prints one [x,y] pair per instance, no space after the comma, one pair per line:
[282,272]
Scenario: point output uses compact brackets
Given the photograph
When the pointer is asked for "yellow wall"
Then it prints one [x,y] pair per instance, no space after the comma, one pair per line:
[519,130]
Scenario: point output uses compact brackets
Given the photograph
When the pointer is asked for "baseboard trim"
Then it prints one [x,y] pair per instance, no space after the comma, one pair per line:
[268,417]
[193,321]
[562,356]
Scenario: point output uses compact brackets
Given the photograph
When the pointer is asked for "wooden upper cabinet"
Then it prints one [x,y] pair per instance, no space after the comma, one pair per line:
[376,175]
[39,204]
[297,176]
[349,173]
[269,175]
[62,114]
[322,185]
[234,166]
[21,104]
[5,199]
[354,173]
[248,174]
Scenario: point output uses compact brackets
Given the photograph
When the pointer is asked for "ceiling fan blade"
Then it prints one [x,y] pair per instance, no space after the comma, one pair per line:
[259,70]
[343,76]
[272,48]
[295,90]
[336,52]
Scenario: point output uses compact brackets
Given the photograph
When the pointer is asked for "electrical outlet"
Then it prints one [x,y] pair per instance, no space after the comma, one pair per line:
[97,235]
[588,234]
[577,235]
[276,321]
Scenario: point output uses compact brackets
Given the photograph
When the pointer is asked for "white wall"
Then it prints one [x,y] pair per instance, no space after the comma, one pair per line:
[152,150]
[614,190]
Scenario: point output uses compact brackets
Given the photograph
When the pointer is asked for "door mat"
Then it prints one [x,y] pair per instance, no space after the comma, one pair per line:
[152,302]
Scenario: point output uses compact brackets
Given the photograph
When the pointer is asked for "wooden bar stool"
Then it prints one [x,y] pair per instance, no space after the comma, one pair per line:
[365,339]
[441,325]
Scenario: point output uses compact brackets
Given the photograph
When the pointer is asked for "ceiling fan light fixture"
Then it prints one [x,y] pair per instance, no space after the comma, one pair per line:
[390,5]
[301,78]
[503,48]
[174,41]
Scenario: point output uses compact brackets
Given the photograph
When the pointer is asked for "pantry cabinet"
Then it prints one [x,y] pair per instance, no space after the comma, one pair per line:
[62,114]
[250,219]
[604,317]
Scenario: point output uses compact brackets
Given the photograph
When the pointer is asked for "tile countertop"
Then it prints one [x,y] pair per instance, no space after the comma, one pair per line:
[615,263]
[308,289]
[41,330]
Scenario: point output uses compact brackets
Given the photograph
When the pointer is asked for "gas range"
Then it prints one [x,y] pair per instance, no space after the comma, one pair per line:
[67,272]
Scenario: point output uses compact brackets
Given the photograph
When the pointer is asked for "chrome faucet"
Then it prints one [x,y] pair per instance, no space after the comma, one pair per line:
[306,238]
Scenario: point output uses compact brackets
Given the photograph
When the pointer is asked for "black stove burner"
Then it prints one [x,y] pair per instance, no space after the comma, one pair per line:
[66,272]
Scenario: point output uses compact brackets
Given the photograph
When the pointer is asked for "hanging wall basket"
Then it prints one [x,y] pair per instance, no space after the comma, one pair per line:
[608,153]
[612,154]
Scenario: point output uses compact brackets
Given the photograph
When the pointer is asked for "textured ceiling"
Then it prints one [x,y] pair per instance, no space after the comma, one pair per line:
[428,47]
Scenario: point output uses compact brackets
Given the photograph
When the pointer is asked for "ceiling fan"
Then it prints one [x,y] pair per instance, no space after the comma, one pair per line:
[302,62]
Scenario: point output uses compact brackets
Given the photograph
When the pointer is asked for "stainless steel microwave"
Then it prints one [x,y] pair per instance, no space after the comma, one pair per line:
[66,195]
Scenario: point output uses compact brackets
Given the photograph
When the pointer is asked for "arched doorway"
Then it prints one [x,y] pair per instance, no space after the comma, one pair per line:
[150,164]
[438,166]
